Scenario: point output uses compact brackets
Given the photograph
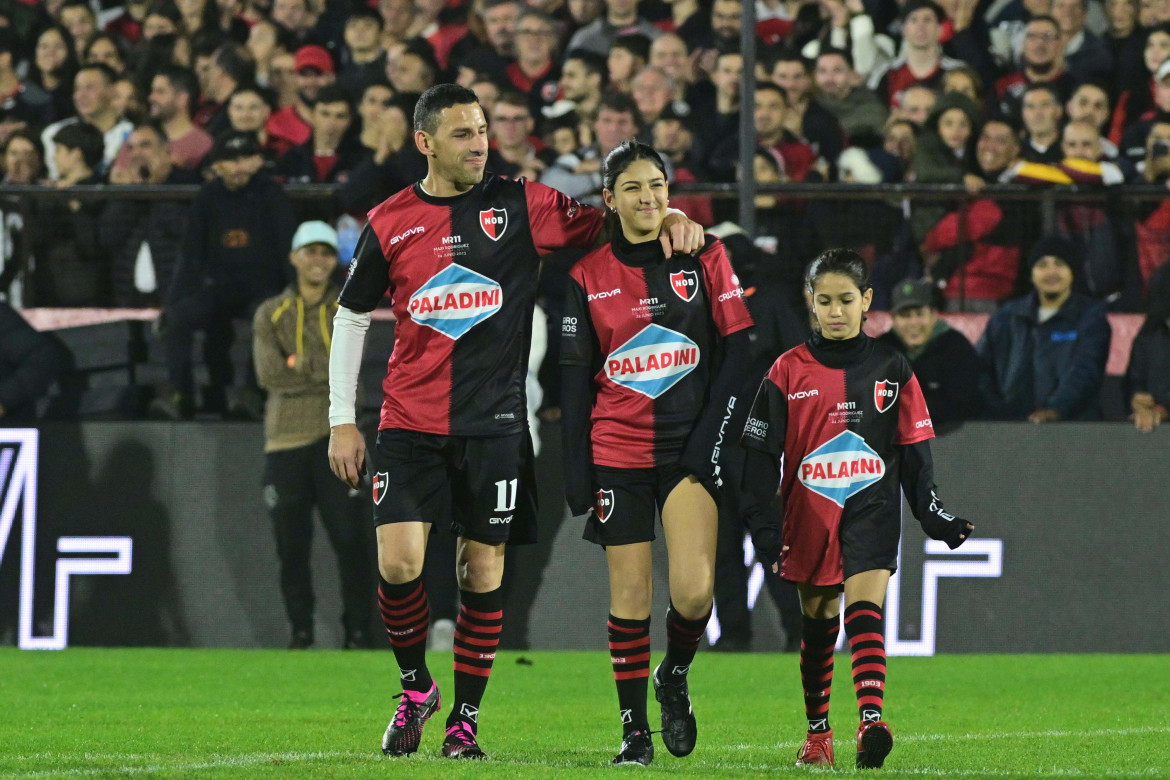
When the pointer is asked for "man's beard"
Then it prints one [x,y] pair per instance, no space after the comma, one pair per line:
[1041,68]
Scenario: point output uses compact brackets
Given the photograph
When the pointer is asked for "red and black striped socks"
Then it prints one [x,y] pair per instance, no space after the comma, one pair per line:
[864,627]
[629,652]
[816,668]
[477,635]
[682,641]
[407,616]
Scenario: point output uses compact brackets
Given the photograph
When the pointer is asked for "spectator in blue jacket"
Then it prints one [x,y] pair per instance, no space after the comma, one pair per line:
[1044,354]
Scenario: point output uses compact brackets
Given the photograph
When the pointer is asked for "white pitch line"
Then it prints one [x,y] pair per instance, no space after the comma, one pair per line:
[243,760]
[1054,733]
[258,759]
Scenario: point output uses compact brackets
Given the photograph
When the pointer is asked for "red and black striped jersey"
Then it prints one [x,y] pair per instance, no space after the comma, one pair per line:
[649,327]
[837,412]
[462,275]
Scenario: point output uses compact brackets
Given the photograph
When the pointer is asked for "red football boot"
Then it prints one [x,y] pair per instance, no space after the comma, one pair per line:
[874,743]
[817,750]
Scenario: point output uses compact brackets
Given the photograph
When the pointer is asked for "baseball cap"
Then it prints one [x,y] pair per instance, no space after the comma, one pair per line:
[911,294]
[314,232]
[312,57]
[234,144]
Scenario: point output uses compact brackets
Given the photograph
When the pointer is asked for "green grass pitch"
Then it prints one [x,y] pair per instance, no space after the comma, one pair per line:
[264,714]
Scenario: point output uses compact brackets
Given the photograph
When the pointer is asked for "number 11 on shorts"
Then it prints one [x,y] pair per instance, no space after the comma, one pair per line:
[506,495]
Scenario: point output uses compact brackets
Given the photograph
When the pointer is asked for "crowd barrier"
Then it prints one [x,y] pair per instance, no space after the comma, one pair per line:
[869,218]
[156,534]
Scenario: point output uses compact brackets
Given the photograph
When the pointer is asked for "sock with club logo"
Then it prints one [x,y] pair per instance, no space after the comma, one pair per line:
[477,634]
[682,641]
[864,627]
[819,638]
[629,652]
[407,616]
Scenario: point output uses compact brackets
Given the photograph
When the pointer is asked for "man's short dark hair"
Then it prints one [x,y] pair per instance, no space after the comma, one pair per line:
[363,11]
[1008,121]
[1043,86]
[1044,18]
[513,98]
[594,63]
[635,43]
[265,94]
[377,81]
[768,86]
[917,5]
[334,93]
[621,103]
[108,74]
[1097,83]
[425,52]
[182,80]
[832,51]
[78,4]
[786,54]
[166,8]
[428,110]
[206,43]
[235,63]
[83,136]
[535,13]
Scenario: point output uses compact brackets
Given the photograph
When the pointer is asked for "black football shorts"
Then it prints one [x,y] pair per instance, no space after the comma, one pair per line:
[626,501]
[483,487]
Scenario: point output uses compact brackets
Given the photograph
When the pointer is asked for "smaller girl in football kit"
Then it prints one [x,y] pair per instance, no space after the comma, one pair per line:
[653,354]
[848,416]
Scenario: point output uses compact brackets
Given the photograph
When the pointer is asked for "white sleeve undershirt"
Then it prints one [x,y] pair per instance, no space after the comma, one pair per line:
[345,362]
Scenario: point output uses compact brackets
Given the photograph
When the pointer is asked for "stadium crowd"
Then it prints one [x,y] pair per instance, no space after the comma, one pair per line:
[245,96]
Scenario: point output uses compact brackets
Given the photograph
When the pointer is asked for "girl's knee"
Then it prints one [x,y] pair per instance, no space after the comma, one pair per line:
[397,568]
[633,596]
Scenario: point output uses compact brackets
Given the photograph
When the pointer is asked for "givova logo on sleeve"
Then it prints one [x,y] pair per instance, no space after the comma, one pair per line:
[653,361]
[455,300]
[841,467]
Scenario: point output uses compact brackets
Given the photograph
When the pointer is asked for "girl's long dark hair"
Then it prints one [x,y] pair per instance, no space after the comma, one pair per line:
[838,261]
[615,163]
[67,69]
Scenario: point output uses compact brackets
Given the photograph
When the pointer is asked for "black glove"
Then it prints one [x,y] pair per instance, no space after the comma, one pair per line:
[768,544]
[698,462]
[944,527]
[957,531]
[579,492]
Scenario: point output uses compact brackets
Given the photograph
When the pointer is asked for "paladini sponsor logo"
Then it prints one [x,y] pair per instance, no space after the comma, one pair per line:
[455,300]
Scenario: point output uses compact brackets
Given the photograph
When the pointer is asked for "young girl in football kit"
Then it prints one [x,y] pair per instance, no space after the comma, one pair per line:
[848,416]
[653,350]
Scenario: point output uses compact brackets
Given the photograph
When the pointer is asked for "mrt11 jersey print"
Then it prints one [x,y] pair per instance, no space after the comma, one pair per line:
[462,274]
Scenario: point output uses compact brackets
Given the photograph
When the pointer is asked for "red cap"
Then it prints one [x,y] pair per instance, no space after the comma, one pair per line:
[313,57]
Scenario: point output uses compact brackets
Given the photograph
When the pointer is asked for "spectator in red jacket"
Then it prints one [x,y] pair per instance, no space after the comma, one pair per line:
[977,248]
[1152,224]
